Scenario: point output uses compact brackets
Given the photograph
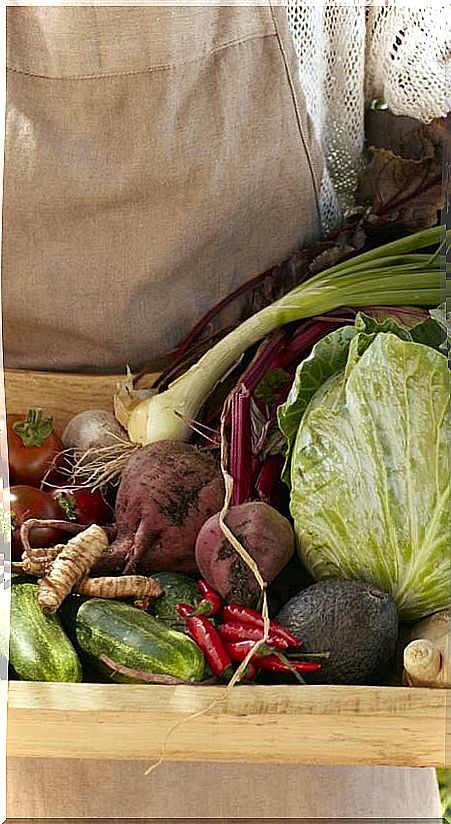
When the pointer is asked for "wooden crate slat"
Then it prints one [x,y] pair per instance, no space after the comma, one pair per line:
[283,724]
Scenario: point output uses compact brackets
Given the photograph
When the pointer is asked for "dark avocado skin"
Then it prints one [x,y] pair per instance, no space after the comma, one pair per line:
[353,621]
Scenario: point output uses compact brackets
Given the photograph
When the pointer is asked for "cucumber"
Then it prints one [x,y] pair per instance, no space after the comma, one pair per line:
[39,649]
[137,640]
[177,589]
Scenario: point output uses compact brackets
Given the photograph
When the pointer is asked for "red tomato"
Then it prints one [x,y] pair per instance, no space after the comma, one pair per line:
[83,506]
[33,447]
[28,502]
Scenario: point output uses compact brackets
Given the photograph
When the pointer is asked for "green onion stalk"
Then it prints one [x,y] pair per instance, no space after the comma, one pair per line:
[395,274]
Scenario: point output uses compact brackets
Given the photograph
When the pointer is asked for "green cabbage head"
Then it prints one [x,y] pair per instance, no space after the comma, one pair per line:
[369,474]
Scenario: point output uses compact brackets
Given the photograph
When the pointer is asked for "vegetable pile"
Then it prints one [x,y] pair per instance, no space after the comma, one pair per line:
[294,539]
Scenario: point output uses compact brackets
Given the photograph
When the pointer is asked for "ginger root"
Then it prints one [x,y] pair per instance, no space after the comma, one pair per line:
[28,525]
[125,586]
[39,563]
[81,553]
[426,657]
[70,566]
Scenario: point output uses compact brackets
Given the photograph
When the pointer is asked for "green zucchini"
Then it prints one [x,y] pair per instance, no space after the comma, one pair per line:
[39,649]
[134,639]
[177,589]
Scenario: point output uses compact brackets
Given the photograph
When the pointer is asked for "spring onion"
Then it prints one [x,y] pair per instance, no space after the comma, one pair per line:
[391,275]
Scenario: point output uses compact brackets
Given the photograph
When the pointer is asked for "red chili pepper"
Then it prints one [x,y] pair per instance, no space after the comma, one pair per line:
[272,663]
[266,659]
[211,602]
[250,617]
[211,644]
[185,610]
[250,672]
[238,651]
[245,632]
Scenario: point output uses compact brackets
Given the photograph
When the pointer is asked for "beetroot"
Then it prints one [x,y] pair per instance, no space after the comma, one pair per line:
[263,532]
[167,492]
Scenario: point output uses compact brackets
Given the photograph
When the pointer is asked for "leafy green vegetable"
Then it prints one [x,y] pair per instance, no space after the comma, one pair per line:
[269,389]
[370,480]
[443,318]
[327,357]
[330,356]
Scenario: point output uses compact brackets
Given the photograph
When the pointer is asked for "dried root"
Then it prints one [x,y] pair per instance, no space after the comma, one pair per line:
[65,568]
[27,526]
[40,562]
[71,566]
[102,467]
[126,586]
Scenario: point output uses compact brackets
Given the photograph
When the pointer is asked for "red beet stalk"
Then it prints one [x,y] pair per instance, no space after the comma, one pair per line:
[240,458]
[281,351]
[268,477]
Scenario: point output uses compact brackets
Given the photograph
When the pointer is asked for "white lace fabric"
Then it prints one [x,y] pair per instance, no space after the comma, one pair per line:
[356,52]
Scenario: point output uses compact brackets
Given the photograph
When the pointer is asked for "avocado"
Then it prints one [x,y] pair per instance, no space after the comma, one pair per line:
[353,621]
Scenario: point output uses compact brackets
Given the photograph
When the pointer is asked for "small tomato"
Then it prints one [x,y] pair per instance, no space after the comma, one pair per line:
[33,447]
[83,506]
[28,502]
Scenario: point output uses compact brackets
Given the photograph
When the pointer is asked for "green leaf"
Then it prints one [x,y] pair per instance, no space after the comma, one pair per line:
[327,357]
[333,352]
[443,319]
[270,387]
[370,476]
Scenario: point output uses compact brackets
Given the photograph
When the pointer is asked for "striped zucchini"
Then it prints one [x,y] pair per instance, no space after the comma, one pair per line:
[39,649]
[137,640]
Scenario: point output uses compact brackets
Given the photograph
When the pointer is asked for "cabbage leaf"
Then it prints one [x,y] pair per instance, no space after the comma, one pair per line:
[369,473]
[330,354]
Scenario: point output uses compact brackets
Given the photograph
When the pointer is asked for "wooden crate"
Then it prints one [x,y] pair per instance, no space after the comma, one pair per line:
[291,724]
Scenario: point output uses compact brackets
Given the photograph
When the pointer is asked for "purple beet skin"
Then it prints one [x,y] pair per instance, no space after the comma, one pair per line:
[167,492]
[263,532]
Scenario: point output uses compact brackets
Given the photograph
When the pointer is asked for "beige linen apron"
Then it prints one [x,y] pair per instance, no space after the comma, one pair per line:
[156,158]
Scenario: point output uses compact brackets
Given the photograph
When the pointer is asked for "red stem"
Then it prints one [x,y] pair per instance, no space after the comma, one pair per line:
[264,360]
[240,459]
[268,477]
[215,310]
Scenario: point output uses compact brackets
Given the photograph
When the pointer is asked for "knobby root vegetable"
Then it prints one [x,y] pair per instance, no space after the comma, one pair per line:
[167,492]
[40,562]
[27,526]
[265,534]
[126,586]
[71,565]
[426,657]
